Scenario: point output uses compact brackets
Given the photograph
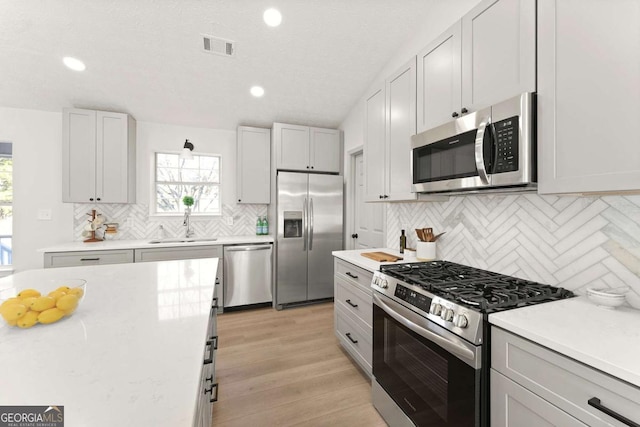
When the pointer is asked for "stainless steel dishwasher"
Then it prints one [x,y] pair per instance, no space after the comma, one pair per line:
[247,274]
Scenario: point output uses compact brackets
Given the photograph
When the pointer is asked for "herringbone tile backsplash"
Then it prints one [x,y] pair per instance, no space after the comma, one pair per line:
[573,242]
[135,223]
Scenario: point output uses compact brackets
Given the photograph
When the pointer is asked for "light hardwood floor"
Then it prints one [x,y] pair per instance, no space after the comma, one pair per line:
[286,368]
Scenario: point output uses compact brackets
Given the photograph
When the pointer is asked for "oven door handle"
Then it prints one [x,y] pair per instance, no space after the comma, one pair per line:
[450,346]
[479,150]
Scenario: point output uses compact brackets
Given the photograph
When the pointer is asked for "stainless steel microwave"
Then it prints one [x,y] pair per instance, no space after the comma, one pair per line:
[490,149]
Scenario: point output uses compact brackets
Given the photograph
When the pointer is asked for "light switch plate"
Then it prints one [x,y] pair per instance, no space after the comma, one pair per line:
[44,214]
[228,220]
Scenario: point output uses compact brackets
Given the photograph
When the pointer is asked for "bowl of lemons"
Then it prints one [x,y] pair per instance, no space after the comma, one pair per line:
[59,299]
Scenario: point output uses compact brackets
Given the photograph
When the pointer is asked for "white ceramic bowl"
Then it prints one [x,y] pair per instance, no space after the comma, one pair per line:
[607,298]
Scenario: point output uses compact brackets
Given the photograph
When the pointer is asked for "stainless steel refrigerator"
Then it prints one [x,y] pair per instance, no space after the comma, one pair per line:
[309,228]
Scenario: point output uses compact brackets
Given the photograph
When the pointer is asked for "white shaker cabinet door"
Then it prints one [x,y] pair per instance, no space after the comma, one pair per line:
[114,177]
[374,147]
[588,96]
[401,125]
[253,165]
[439,81]
[325,150]
[292,147]
[498,52]
[78,156]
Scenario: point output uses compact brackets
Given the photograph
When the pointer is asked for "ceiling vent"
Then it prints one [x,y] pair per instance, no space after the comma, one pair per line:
[218,46]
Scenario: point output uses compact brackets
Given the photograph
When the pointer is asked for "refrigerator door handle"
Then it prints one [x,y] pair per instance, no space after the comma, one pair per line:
[304,225]
[311,223]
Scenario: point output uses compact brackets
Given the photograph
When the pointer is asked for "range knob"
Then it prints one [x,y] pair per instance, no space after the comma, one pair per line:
[384,284]
[461,321]
[446,315]
[435,308]
[375,280]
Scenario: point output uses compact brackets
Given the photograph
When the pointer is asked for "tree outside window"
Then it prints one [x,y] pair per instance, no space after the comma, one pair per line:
[6,203]
[176,178]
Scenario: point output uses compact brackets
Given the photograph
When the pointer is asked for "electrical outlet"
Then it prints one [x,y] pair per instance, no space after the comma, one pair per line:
[228,220]
[44,214]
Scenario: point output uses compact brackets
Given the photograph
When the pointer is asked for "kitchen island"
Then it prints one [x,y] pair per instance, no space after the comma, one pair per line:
[130,355]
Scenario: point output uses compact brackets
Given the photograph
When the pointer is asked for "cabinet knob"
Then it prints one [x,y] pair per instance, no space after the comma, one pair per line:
[91,199]
[354,236]
[98,199]
[455,114]
[311,167]
[385,196]
[464,111]
[307,167]
[239,200]
[380,196]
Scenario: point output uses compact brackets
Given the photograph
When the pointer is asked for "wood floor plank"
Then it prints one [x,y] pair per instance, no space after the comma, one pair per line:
[285,368]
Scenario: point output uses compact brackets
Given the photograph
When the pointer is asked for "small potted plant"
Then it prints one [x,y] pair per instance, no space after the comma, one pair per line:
[188,202]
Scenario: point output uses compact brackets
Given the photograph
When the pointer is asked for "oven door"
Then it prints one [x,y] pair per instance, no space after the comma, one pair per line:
[454,156]
[431,374]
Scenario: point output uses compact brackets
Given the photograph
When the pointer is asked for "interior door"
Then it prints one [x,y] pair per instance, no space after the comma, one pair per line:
[325,232]
[368,217]
[291,279]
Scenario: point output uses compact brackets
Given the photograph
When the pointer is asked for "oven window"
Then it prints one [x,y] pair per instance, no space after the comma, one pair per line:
[432,386]
[450,158]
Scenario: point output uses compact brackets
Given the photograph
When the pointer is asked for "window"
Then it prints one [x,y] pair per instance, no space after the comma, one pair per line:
[6,202]
[176,178]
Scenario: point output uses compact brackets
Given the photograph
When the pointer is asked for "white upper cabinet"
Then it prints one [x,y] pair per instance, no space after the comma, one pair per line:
[374,148]
[303,148]
[588,96]
[401,125]
[487,57]
[253,165]
[390,120]
[439,81]
[98,157]
[498,52]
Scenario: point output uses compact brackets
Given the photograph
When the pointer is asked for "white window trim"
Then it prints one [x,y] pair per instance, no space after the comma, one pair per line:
[152,189]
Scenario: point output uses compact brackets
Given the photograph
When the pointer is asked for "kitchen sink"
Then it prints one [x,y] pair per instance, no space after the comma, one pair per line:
[184,240]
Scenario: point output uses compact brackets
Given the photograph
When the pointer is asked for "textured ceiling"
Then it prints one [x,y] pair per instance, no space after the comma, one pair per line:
[144,57]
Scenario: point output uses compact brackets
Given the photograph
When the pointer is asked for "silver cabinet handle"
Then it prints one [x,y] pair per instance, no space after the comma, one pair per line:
[311,224]
[479,150]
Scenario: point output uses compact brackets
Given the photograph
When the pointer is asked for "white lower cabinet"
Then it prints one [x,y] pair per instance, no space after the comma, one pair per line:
[73,259]
[353,312]
[534,386]
[208,386]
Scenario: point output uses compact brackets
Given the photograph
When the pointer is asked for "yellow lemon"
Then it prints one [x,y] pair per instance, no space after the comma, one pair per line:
[76,291]
[14,312]
[67,302]
[12,322]
[28,293]
[29,301]
[28,320]
[50,316]
[43,303]
[63,289]
[56,294]
[70,311]
[14,300]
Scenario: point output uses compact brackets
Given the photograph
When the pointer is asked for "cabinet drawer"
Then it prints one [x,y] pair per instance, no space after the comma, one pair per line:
[351,273]
[168,254]
[564,382]
[73,259]
[354,300]
[356,337]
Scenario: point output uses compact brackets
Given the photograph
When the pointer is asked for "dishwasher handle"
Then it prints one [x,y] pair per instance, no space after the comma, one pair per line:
[247,248]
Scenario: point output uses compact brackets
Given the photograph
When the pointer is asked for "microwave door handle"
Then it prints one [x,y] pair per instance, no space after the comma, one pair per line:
[479,147]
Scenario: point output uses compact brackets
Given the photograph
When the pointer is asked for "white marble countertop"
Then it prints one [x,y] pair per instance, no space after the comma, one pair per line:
[130,355]
[144,244]
[355,257]
[608,340]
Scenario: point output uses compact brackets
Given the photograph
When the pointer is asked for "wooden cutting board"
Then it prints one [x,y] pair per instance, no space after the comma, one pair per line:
[381,256]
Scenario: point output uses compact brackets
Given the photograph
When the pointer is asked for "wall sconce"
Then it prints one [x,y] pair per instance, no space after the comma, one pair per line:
[186,153]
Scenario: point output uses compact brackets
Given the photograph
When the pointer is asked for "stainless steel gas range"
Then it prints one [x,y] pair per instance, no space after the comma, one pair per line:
[430,339]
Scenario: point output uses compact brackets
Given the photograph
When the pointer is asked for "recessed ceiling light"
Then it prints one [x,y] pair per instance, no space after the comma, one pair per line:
[272,17]
[257,91]
[74,63]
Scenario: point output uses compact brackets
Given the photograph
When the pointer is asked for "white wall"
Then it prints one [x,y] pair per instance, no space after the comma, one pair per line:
[37,183]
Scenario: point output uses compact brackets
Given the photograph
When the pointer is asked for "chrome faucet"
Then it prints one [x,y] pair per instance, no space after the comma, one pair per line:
[187,223]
